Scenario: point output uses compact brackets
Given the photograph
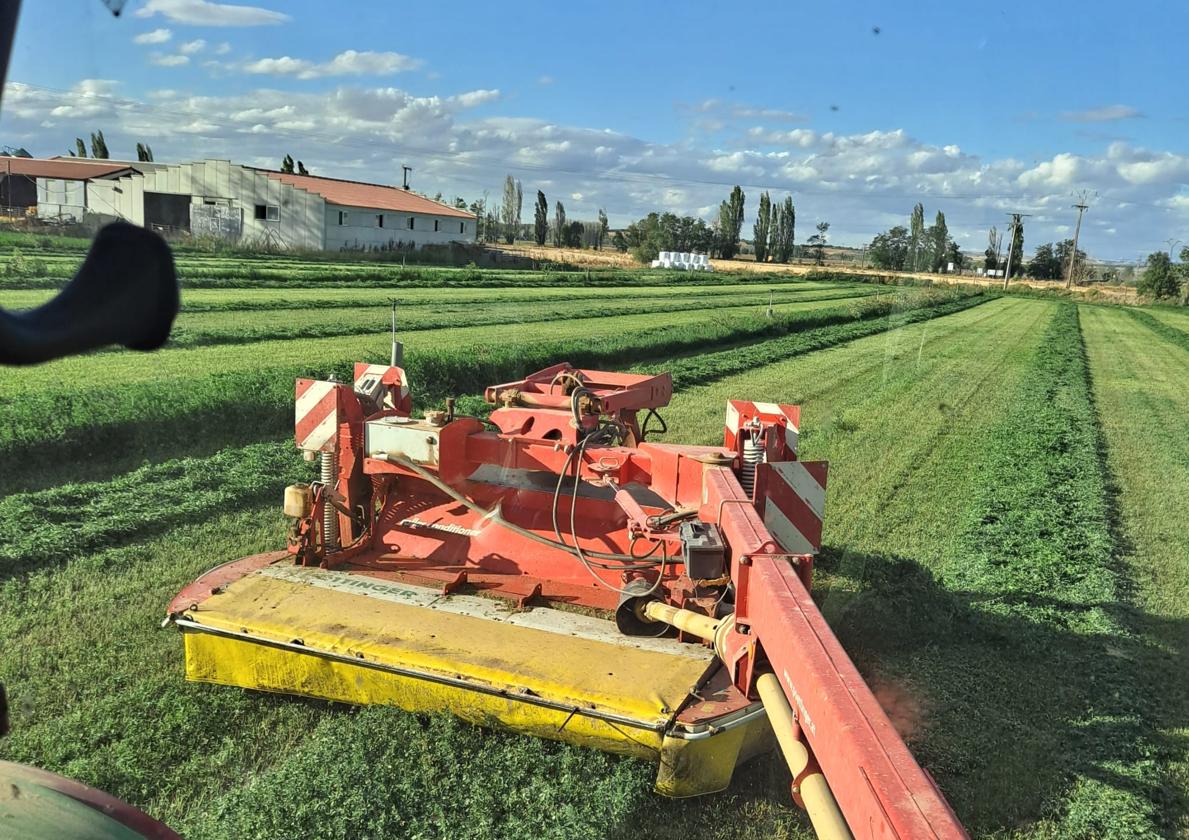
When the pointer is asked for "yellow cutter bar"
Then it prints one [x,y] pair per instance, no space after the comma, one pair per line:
[360,639]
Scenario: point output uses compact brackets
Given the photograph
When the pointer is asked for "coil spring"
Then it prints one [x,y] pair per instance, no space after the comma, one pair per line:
[753,456]
[330,518]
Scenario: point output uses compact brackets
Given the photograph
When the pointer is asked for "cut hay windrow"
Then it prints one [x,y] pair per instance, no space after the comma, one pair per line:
[1036,592]
[213,408]
[247,327]
[1161,327]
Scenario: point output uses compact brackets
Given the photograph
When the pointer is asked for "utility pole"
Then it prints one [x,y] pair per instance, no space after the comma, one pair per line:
[407,170]
[1073,256]
[1011,244]
[1171,242]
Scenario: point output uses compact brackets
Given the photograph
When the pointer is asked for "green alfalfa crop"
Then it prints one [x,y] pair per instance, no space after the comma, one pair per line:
[1037,587]
[48,430]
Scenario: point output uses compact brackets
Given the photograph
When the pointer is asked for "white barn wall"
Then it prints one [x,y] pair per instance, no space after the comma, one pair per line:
[362,229]
[59,198]
[305,219]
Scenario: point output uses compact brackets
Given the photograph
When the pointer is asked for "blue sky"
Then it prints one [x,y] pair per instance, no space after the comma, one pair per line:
[973,110]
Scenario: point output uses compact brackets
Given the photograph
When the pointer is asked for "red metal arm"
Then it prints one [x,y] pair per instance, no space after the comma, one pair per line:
[878,784]
[880,788]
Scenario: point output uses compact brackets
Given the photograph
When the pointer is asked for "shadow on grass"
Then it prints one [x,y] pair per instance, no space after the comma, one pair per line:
[1019,712]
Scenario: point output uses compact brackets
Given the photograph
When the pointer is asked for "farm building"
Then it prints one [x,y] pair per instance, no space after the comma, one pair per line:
[57,187]
[218,198]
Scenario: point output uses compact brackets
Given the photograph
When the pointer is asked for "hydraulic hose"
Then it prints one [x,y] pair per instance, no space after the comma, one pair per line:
[820,803]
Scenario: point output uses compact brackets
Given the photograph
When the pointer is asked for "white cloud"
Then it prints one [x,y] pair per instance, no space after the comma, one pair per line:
[474,98]
[347,63]
[192,47]
[223,48]
[157,36]
[163,60]
[862,183]
[205,13]
[740,111]
[1107,113]
[545,80]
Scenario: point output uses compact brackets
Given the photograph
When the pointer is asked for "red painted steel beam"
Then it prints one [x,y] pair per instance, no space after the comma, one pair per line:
[879,786]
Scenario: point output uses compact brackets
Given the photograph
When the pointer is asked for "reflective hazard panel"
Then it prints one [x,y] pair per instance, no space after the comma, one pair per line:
[791,497]
[316,415]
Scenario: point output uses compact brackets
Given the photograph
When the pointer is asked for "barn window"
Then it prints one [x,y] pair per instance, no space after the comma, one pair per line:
[379,220]
[268,212]
[410,222]
[435,224]
[462,227]
[342,217]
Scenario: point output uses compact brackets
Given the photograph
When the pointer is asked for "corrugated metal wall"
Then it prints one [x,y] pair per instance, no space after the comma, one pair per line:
[297,215]
[292,217]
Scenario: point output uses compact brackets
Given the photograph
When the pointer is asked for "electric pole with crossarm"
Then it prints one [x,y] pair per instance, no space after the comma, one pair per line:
[1073,256]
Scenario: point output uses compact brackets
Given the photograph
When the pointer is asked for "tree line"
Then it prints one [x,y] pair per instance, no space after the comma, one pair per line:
[773,234]
[916,247]
[1162,279]
[144,152]
[505,221]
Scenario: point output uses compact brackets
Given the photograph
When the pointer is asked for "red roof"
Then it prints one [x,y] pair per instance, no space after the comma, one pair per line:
[66,169]
[375,196]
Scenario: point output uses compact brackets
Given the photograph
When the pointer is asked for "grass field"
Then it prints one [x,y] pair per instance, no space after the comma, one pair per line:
[1005,554]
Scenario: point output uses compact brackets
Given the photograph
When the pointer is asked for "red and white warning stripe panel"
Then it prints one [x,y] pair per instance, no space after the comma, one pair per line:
[793,495]
[316,418]
[785,417]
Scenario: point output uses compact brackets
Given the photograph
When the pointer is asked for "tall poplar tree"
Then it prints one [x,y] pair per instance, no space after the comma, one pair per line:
[541,219]
[762,228]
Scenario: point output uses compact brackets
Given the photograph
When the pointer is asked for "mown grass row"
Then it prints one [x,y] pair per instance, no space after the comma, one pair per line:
[1039,569]
[1161,327]
[250,299]
[46,429]
[291,324]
